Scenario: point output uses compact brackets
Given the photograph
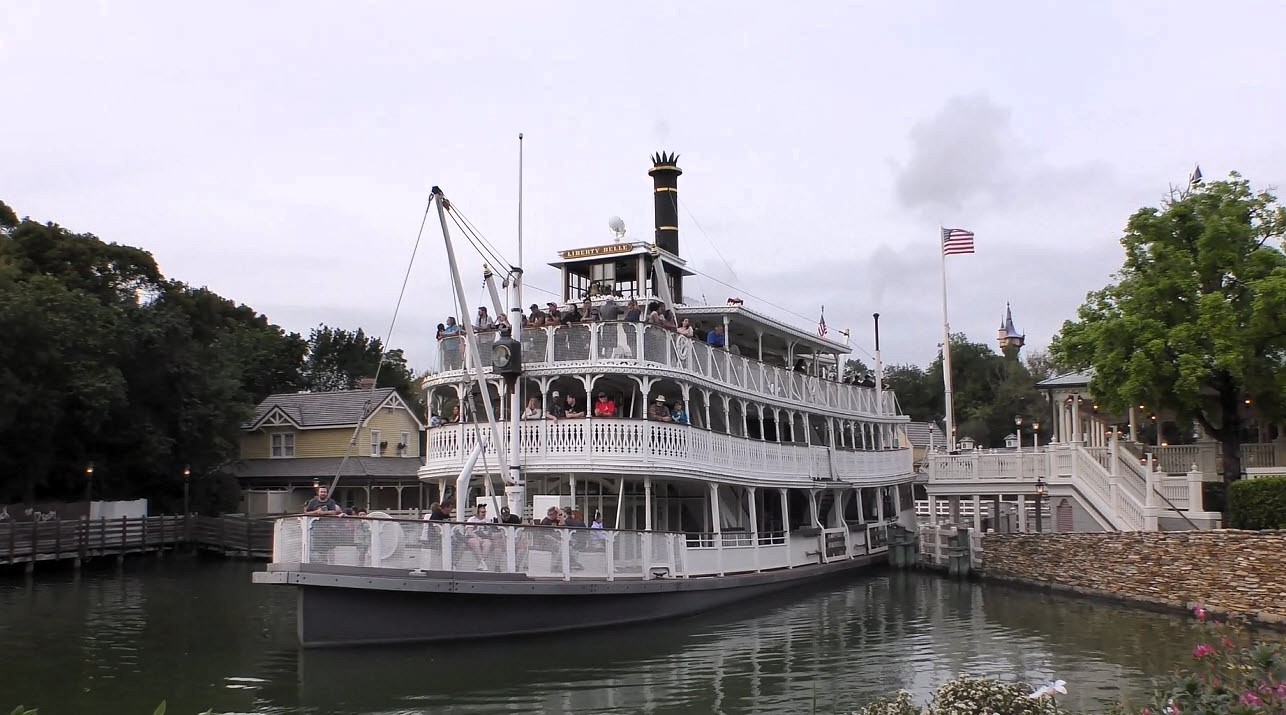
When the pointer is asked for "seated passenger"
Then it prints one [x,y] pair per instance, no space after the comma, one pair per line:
[658,411]
[605,407]
[678,413]
[572,409]
[479,538]
[715,338]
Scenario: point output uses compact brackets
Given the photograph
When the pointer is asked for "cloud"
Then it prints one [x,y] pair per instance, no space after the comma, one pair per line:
[968,156]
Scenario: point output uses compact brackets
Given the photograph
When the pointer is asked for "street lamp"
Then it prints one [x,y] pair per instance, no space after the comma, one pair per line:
[187,512]
[1035,436]
[1018,431]
[89,482]
[1041,491]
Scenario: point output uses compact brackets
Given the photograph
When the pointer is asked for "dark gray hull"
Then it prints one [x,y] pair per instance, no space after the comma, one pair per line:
[349,606]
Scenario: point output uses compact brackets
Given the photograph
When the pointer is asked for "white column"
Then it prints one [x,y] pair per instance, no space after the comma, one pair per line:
[1022,513]
[933,510]
[1077,435]
[785,525]
[977,512]
[647,503]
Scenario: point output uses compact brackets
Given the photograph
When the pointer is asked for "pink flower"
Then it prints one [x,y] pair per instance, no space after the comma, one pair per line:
[1251,700]
[1199,611]
[1203,651]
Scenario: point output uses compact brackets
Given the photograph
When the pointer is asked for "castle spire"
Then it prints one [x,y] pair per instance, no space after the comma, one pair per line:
[1011,341]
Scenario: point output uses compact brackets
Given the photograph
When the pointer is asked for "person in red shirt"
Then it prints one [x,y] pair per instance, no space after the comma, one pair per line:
[605,406]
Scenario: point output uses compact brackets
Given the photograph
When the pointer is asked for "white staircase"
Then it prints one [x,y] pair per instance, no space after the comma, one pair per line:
[1109,483]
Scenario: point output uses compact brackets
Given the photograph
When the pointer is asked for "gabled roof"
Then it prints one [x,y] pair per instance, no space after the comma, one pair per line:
[313,410]
[918,433]
[1067,379]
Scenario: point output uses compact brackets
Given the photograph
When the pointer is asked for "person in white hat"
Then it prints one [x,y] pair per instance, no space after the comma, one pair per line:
[658,410]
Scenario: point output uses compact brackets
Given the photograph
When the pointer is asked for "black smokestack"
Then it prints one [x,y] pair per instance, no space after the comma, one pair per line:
[665,181]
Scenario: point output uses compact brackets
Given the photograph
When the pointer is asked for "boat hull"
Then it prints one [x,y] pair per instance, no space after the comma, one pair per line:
[340,606]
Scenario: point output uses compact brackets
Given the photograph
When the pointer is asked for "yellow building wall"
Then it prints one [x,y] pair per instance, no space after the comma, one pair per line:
[334,442]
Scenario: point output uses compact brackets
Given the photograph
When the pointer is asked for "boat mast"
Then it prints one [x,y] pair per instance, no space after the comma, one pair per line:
[471,346]
[516,490]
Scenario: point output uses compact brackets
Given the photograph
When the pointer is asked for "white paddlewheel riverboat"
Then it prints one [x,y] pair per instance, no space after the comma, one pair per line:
[715,451]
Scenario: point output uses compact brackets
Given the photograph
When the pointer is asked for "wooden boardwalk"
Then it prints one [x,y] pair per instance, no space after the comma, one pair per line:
[31,542]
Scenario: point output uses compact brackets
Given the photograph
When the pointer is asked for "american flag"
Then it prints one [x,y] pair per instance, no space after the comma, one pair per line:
[956,240]
[821,325]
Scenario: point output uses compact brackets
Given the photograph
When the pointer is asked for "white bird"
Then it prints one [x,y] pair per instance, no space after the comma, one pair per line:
[1056,686]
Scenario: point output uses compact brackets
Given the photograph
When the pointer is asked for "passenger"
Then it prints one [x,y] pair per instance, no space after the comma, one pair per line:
[605,407]
[455,415]
[479,539]
[678,413]
[535,319]
[685,328]
[553,517]
[484,322]
[361,537]
[557,408]
[715,338]
[580,539]
[533,411]
[451,328]
[658,411]
[435,420]
[610,310]
[507,517]
[442,331]
[573,410]
[571,315]
[632,311]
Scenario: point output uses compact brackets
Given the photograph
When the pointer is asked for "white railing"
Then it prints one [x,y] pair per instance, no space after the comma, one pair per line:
[1259,456]
[643,446]
[618,343]
[549,552]
[1176,459]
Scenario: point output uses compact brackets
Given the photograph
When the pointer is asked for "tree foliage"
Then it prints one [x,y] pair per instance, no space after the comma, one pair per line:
[988,392]
[105,361]
[1196,319]
[338,359]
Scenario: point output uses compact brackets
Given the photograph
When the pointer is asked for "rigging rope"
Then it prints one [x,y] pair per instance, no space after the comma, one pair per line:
[388,337]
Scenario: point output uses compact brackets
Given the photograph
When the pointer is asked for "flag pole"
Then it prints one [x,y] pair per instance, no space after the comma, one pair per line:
[946,349]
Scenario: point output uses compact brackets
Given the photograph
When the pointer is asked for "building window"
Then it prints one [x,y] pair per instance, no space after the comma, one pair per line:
[404,445]
[283,445]
[375,443]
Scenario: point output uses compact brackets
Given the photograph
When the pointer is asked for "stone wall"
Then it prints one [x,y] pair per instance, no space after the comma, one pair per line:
[1237,572]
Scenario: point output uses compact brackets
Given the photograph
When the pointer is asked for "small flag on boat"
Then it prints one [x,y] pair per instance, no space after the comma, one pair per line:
[821,324]
[956,240]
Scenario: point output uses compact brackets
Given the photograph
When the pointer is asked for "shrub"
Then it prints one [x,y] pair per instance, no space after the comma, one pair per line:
[1226,679]
[969,696]
[1257,503]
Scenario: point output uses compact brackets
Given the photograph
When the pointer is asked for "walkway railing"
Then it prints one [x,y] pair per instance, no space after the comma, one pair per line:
[618,343]
[557,552]
[1125,494]
[644,446]
[67,539]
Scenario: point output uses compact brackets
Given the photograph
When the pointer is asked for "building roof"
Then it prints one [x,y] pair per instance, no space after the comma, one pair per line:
[340,408]
[1067,379]
[918,433]
[324,467]
[1007,324]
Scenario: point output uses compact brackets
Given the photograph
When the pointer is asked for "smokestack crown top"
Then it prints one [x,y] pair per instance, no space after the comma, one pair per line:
[662,161]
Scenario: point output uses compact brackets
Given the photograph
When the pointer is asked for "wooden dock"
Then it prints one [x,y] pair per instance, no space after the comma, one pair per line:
[32,542]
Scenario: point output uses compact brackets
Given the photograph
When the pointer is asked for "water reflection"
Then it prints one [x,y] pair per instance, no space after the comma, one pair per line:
[200,635]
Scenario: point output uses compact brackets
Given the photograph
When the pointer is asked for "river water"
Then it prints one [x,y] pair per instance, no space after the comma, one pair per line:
[196,633]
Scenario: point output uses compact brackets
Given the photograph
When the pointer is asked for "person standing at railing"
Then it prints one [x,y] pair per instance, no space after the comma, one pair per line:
[322,504]
[605,407]
[679,413]
[715,338]
[685,328]
[573,410]
[659,411]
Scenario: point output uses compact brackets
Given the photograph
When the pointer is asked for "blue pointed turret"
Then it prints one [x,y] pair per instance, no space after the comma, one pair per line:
[1011,341]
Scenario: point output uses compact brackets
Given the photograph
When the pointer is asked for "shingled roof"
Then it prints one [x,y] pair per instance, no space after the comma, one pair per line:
[918,434]
[341,408]
[1067,379]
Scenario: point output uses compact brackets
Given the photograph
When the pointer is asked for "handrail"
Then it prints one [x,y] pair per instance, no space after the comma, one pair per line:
[647,343]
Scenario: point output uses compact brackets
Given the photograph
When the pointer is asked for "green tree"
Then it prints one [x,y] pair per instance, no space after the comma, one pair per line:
[337,359]
[919,397]
[1196,318]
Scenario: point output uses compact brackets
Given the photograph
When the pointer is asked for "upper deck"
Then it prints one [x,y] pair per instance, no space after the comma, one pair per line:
[641,349]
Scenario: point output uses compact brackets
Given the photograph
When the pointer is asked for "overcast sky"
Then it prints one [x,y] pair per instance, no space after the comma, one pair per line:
[282,153]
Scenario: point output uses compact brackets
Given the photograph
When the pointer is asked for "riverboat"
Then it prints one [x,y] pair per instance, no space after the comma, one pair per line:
[711,469]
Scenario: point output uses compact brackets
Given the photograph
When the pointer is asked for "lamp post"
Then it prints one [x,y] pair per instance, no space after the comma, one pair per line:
[187,511]
[1018,431]
[89,482]
[1041,491]
[1035,435]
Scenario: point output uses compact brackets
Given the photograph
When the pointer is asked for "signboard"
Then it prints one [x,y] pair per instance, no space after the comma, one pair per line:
[608,250]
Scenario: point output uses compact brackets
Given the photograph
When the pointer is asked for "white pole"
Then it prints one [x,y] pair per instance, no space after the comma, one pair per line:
[946,354]
[516,492]
[879,370]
